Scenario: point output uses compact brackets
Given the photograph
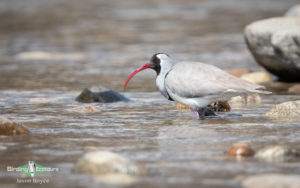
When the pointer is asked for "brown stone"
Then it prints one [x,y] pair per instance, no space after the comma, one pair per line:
[240,149]
[10,128]
[237,72]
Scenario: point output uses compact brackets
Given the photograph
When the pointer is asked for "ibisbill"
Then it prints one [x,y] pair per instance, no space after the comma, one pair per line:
[195,84]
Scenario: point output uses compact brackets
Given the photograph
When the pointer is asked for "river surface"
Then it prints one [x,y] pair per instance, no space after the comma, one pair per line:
[50,50]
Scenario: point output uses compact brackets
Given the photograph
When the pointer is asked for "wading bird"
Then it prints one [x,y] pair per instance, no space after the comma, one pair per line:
[195,84]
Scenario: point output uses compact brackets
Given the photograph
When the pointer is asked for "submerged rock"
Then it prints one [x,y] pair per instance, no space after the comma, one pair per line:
[240,149]
[293,11]
[257,77]
[86,109]
[272,181]
[105,162]
[295,89]
[290,109]
[275,44]
[276,153]
[10,128]
[100,94]
[116,179]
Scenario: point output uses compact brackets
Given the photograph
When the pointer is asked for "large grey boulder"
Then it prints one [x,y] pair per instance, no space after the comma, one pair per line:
[275,44]
[100,94]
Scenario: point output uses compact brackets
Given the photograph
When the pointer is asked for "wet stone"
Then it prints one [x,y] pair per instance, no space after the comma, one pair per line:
[105,162]
[276,153]
[85,109]
[100,94]
[240,149]
[10,128]
[290,109]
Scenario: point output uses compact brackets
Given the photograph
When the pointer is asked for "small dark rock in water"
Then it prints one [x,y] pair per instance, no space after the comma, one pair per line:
[240,149]
[276,153]
[100,94]
[10,128]
[275,44]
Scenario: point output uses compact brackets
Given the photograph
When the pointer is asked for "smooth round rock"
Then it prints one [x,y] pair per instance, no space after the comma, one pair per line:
[275,44]
[100,94]
[240,149]
[10,128]
[272,181]
[290,109]
[105,162]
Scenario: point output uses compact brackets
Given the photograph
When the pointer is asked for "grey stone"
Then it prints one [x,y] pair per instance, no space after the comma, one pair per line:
[275,44]
[105,162]
[100,94]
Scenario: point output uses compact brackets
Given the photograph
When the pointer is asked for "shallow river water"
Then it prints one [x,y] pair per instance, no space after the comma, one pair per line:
[51,50]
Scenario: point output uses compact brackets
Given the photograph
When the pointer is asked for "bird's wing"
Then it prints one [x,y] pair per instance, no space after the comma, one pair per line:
[194,79]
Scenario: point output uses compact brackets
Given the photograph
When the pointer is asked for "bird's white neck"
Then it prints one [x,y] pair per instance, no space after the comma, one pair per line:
[166,66]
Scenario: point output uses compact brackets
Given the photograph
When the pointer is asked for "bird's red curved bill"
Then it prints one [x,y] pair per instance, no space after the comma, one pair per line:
[146,66]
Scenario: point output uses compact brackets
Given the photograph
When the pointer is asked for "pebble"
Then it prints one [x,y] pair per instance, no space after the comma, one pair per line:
[86,109]
[116,179]
[272,181]
[276,153]
[105,162]
[10,128]
[240,149]
[257,77]
[286,110]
